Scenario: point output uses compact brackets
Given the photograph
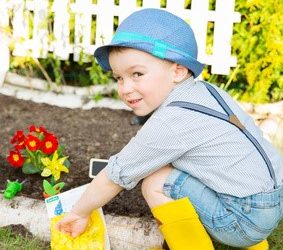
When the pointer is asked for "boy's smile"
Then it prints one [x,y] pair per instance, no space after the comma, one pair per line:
[144,81]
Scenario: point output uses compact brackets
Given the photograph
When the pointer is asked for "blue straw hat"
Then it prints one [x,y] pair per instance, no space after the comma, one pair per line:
[159,33]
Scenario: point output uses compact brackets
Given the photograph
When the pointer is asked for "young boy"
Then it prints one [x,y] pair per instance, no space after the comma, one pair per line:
[205,168]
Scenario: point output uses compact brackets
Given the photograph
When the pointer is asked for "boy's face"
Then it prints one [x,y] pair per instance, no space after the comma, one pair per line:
[144,81]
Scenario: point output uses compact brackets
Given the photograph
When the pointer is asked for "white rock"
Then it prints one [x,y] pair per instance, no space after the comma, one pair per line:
[68,101]
[106,103]
[24,94]
[270,108]
[8,90]
[247,107]
[270,125]
[272,128]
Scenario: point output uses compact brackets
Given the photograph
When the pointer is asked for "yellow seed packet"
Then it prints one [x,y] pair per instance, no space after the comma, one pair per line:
[92,239]
[95,236]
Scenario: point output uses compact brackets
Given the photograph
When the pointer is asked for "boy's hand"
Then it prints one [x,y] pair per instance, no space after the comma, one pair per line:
[72,224]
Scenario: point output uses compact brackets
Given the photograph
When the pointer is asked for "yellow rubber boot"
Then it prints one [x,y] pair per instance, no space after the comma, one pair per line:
[260,246]
[181,227]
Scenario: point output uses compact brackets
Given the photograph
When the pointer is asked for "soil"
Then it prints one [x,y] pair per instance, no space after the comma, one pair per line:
[95,133]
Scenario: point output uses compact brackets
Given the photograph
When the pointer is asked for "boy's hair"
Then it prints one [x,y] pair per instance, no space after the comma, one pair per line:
[159,33]
[116,49]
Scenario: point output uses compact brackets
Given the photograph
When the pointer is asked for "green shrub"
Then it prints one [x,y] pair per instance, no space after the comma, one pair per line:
[258,45]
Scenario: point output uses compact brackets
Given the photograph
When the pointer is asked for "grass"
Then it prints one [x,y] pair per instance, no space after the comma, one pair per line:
[9,240]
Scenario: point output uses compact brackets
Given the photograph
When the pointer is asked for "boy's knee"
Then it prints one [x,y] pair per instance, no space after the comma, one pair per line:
[152,185]
[148,186]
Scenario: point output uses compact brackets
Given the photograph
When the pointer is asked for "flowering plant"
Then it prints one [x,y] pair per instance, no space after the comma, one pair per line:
[38,152]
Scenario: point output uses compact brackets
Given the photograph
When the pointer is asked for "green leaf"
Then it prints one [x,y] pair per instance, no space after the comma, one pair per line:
[29,168]
[46,185]
[59,186]
[41,136]
[60,151]
[67,163]
[38,156]
[52,189]
[30,153]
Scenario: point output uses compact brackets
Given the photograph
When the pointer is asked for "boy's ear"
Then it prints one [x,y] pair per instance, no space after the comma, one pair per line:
[180,73]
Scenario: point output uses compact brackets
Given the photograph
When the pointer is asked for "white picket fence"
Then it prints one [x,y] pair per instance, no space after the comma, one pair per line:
[35,39]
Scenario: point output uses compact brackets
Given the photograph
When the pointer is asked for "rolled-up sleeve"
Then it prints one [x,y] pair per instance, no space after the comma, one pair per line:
[154,146]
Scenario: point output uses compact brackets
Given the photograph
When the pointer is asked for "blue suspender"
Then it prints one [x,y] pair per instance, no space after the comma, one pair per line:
[229,117]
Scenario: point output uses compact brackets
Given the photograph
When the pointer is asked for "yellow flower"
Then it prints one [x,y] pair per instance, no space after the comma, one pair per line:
[54,166]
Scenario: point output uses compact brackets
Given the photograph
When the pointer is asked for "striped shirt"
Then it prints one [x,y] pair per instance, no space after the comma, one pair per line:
[212,150]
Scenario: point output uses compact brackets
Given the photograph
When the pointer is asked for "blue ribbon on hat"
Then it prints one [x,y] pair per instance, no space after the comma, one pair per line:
[159,47]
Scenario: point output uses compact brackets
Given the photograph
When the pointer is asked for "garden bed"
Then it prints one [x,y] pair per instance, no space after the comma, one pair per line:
[97,133]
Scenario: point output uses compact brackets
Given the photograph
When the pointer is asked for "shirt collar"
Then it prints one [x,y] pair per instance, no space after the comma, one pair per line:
[179,90]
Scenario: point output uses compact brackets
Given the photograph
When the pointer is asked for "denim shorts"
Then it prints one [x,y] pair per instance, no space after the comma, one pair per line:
[233,221]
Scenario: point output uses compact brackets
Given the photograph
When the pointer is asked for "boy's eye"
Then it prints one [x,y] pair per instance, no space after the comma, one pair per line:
[137,74]
[118,78]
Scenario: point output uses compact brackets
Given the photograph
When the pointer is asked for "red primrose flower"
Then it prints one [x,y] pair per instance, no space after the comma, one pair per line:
[16,159]
[49,144]
[32,143]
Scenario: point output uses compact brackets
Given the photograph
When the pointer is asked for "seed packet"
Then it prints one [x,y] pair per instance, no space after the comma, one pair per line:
[94,238]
